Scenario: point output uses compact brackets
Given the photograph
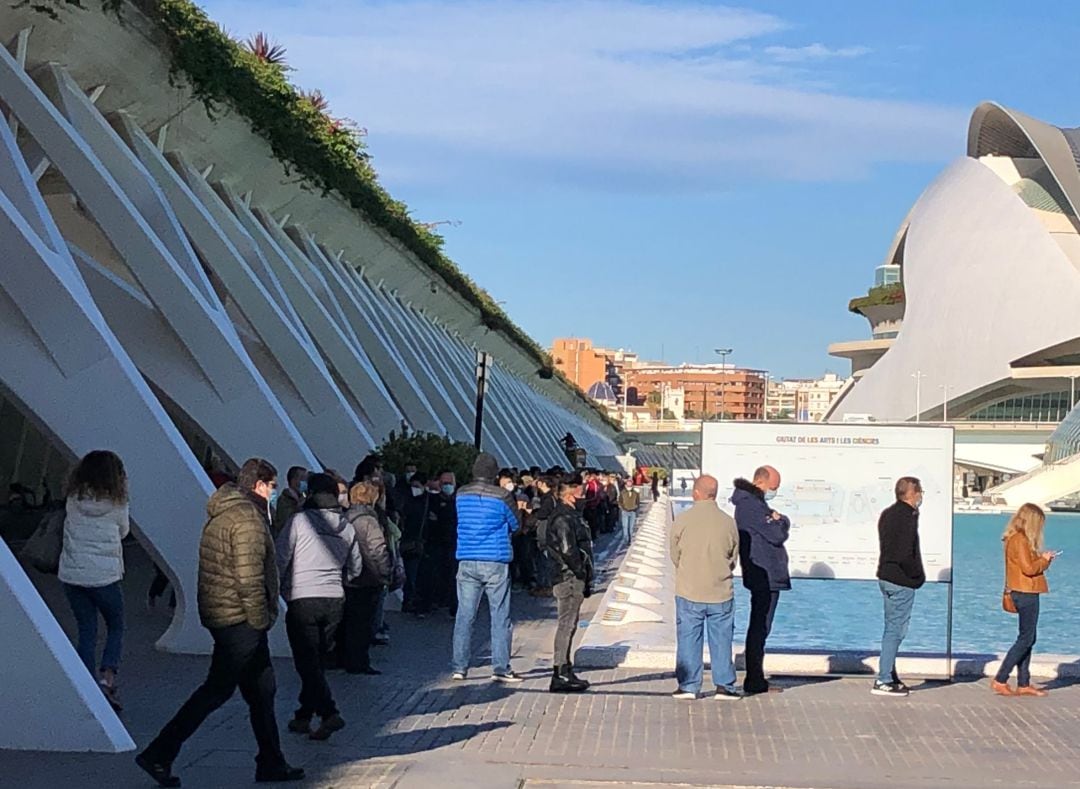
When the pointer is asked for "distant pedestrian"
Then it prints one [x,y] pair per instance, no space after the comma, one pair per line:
[764,561]
[656,486]
[629,503]
[316,551]
[486,519]
[900,572]
[238,604]
[92,561]
[414,515]
[570,548]
[704,549]
[1026,564]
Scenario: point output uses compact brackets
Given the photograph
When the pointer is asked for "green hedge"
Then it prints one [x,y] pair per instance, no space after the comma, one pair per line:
[328,154]
[878,297]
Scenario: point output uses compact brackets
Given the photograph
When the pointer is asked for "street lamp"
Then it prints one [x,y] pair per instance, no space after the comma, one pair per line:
[944,402]
[918,376]
[723,353]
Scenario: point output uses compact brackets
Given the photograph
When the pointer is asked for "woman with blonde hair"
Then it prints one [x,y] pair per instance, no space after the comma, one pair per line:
[362,592]
[92,560]
[1026,564]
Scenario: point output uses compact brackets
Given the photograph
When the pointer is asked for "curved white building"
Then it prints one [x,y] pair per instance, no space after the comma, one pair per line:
[988,325]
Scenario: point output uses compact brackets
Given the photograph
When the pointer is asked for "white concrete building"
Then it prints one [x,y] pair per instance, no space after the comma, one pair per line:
[174,286]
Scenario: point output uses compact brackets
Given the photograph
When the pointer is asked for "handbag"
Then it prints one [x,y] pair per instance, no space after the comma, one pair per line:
[1007,603]
[42,549]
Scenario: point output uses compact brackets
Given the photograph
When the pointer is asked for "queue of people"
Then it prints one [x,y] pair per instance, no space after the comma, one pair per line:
[332,550]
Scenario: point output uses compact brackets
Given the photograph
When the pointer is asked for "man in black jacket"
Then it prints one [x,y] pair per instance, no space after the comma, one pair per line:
[570,548]
[900,572]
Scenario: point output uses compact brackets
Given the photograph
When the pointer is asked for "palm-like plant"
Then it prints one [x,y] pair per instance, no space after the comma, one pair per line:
[317,100]
[261,46]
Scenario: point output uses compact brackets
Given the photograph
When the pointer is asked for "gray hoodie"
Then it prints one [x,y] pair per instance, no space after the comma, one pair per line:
[316,553]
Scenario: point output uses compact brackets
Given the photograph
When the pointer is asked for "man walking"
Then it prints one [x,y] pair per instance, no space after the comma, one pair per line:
[764,560]
[704,549]
[629,502]
[486,517]
[900,572]
[238,603]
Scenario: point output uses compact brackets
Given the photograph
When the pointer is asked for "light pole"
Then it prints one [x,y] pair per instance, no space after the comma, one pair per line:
[944,402]
[723,353]
[918,376]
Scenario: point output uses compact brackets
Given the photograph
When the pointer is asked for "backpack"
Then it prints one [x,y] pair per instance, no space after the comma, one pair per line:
[42,550]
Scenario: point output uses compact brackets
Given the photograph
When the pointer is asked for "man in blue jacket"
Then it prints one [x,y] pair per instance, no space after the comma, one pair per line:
[487,516]
[764,560]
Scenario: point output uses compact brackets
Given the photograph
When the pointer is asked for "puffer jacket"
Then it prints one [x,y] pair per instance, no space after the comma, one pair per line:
[238,577]
[568,543]
[486,517]
[317,551]
[374,551]
[762,554]
[92,553]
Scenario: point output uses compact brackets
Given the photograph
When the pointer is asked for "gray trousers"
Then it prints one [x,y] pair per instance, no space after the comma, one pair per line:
[569,595]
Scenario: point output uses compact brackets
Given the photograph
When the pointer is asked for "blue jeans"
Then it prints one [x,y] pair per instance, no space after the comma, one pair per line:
[86,602]
[475,579]
[1019,655]
[629,521]
[692,621]
[898,603]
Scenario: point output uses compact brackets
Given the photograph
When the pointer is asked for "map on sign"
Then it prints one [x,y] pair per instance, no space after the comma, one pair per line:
[836,480]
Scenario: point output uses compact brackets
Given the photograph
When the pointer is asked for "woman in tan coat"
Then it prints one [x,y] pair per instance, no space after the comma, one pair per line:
[1026,564]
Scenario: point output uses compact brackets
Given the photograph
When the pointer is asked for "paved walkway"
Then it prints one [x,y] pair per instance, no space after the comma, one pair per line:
[411,727]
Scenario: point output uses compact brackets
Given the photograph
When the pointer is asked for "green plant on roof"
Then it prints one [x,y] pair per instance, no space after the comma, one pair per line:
[884,295]
[329,153]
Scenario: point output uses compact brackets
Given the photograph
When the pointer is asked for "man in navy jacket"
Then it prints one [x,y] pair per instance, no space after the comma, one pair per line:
[487,516]
[764,560]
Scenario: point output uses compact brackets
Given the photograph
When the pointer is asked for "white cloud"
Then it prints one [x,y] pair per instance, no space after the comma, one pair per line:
[813,52]
[606,93]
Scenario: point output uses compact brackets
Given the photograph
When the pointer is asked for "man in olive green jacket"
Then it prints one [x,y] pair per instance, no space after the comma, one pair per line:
[704,549]
[238,604]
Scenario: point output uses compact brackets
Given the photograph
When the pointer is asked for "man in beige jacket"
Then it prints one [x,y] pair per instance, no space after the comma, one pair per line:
[704,548]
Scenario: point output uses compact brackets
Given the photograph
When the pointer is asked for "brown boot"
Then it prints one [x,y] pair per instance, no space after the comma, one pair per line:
[1002,688]
[1031,690]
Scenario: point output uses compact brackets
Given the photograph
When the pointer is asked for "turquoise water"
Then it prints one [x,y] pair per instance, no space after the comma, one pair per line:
[818,614]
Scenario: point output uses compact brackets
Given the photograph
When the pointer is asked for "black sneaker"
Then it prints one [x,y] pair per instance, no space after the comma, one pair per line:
[280,774]
[162,773]
[300,726]
[328,726]
[508,678]
[889,689]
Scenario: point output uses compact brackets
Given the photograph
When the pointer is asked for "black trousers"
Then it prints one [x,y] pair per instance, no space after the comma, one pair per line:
[356,627]
[241,658]
[762,610]
[311,623]
[569,595]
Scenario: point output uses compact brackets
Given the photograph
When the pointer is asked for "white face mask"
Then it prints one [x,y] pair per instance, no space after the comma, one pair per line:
[417,492]
[343,499]
[409,475]
[508,485]
[770,495]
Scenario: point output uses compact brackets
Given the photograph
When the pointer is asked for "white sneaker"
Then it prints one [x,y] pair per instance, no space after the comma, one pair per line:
[723,694]
[510,678]
[684,695]
[458,676]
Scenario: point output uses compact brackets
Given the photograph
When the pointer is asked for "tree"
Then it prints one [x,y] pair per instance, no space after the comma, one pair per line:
[430,453]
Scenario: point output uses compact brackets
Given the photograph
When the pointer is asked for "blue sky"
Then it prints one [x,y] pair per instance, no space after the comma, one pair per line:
[672,177]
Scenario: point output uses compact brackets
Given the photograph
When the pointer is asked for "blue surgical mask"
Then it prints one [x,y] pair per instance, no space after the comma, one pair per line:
[302,487]
[448,490]
[770,495]
[274,494]
[409,475]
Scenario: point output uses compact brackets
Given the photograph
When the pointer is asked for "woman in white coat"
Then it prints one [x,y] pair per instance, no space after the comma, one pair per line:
[92,560]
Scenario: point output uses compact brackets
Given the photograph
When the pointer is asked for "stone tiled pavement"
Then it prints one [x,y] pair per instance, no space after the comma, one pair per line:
[411,727]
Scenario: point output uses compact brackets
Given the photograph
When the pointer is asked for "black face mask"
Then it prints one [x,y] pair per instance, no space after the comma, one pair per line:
[579,505]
